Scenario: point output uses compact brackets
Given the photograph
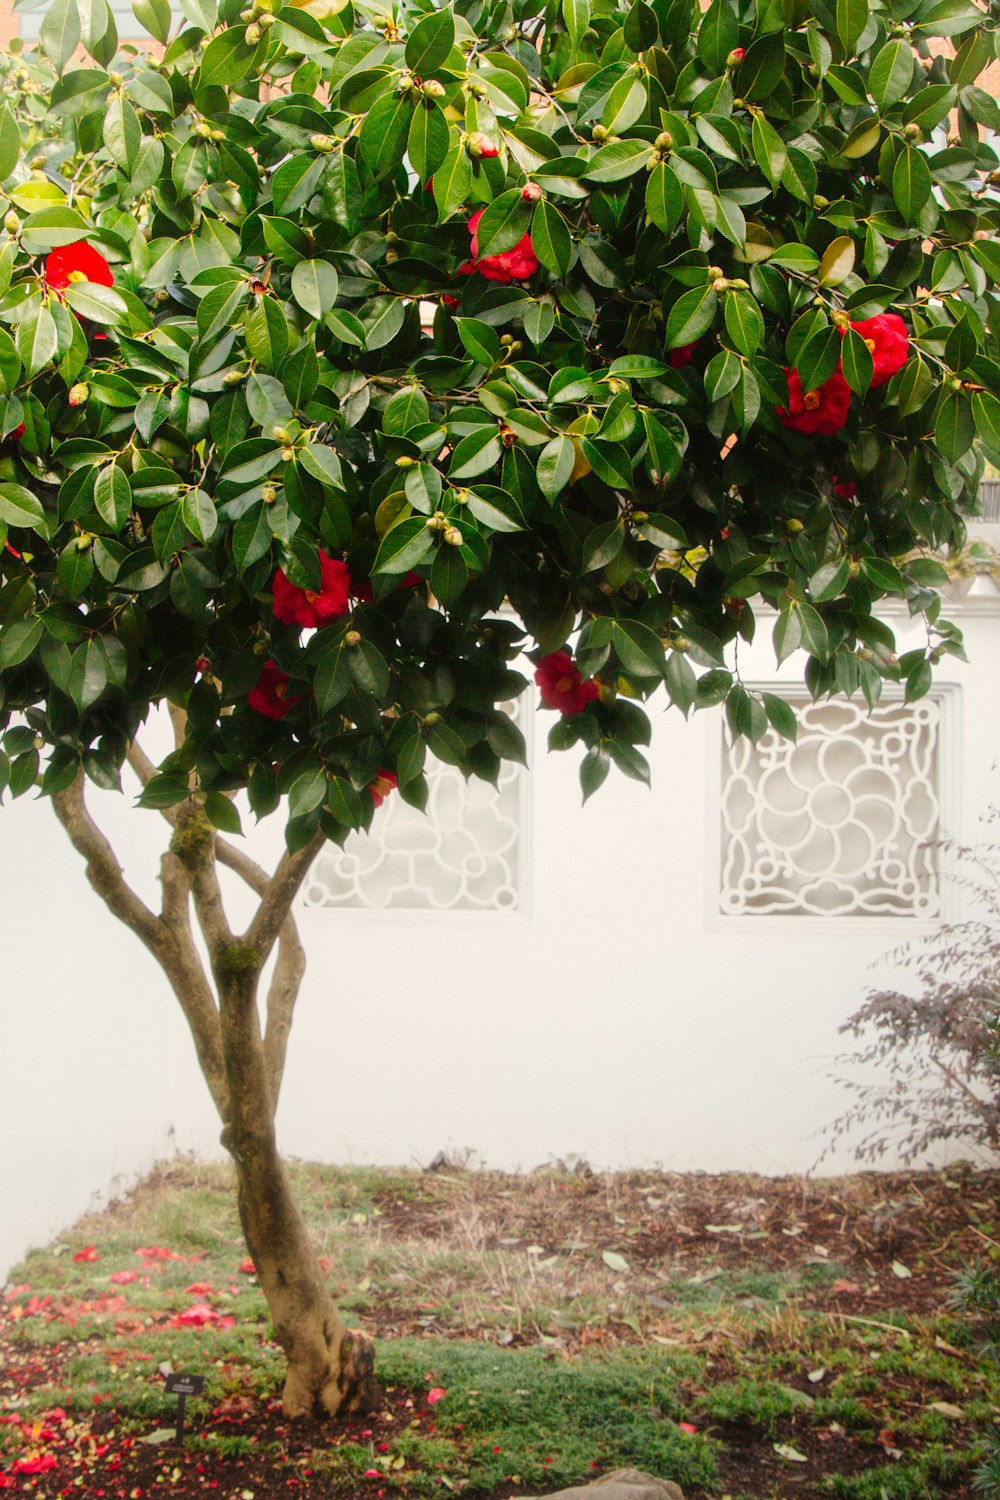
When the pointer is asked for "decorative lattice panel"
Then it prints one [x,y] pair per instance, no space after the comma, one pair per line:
[837,824]
[464,854]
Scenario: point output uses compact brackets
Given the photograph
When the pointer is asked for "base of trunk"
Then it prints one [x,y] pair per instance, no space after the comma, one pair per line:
[344,1382]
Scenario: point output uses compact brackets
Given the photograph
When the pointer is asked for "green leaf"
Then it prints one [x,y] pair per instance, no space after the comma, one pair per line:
[986,414]
[911,183]
[452,182]
[427,142]
[504,224]
[227,58]
[18,640]
[787,633]
[769,149]
[760,72]
[479,340]
[154,17]
[819,357]
[476,453]
[344,802]
[744,321]
[36,341]
[837,262]
[954,425]
[664,198]
[691,316]
[884,575]
[99,304]
[576,14]
[306,792]
[10,142]
[852,18]
[718,34]
[891,73]
[430,42]
[200,516]
[603,545]
[122,132]
[555,465]
[296,181]
[814,632]
[383,135]
[780,716]
[112,496]
[618,160]
[60,32]
[639,649]
[404,546]
[596,763]
[551,239]
[828,582]
[858,364]
[267,333]
[88,676]
[315,286]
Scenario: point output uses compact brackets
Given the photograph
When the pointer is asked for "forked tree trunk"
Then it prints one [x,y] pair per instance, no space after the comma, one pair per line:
[330,1369]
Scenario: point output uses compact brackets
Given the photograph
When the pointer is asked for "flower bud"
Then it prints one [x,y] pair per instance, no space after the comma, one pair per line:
[715,273]
[37,163]
[84,541]
[352,638]
[116,80]
[600,133]
[203,129]
[288,454]
[680,643]
[79,393]
[405,461]
[268,494]
[664,141]
[736,57]
[11,222]
[218,135]
[431,719]
[794,526]
[161,295]
[323,143]
[617,387]
[234,377]
[912,131]
[253,34]
[453,536]
[639,516]
[531,192]
[820,203]
[281,434]
[432,89]
[266,20]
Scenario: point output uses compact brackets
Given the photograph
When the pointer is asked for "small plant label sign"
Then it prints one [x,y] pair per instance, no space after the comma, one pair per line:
[183,1386]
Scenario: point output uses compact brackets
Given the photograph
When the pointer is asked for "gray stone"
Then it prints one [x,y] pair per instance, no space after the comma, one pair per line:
[623,1484]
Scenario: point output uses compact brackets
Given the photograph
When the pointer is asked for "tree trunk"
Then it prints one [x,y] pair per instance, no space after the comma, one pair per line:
[330,1368]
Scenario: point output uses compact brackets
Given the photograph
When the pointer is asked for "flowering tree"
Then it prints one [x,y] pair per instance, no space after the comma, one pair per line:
[336,330]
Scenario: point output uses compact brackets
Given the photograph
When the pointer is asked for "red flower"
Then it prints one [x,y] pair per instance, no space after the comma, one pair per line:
[682,356]
[196,1316]
[384,783]
[823,410]
[481,145]
[561,685]
[313,607]
[38,1464]
[76,262]
[511,265]
[268,696]
[247,1267]
[17,434]
[844,489]
[88,1253]
[889,342]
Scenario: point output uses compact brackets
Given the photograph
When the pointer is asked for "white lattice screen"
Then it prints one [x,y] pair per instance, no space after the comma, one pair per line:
[841,823]
[465,854]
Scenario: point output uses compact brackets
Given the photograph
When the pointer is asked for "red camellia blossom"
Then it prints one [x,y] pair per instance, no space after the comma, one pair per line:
[267,697]
[313,607]
[822,411]
[384,783]
[511,265]
[247,1267]
[17,434]
[561,685]
[76,262]
[682,356]
[889,342]
[844,489]
[88,1253]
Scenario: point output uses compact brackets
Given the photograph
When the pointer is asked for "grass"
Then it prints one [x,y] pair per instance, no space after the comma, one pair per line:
[556,1365]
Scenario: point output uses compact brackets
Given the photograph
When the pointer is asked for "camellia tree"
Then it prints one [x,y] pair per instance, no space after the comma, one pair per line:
[350,353]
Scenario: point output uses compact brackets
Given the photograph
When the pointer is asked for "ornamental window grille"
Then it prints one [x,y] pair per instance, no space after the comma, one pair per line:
[843,822]
[466,853]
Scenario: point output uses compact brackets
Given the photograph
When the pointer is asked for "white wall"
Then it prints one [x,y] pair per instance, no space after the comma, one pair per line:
[612,1019]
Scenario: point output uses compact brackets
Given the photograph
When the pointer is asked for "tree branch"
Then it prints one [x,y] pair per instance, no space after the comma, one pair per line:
[104,872]
[276,903]
[186,972]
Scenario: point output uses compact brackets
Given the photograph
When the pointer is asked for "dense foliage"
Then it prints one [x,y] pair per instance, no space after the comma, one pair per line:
[371,321]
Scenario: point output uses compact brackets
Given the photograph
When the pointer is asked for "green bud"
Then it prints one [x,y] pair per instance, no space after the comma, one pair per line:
[664,141]
[253,34]
[352,638]
[234,377]
[433,89]
[11,222]
[404,461]
[322,143]
[281,434]
[795,526]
